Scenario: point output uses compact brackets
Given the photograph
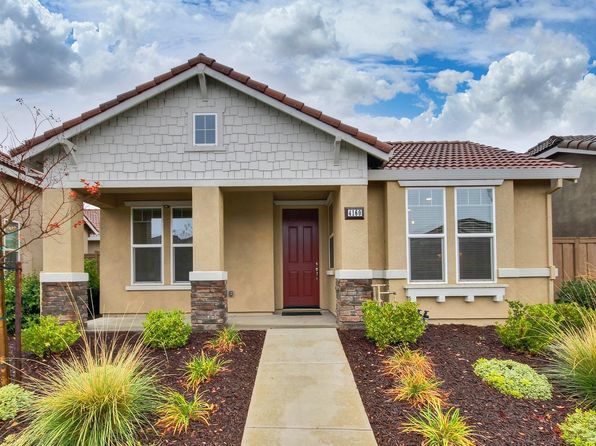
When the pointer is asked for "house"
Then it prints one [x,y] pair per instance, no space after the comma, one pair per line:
[574,207]
[220,194]
[92,219]
[21,223]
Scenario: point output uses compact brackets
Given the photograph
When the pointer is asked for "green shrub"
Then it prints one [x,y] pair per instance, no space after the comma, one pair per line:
[104,397]
[166,329]
[30,300]
[572,360]
[513,378]
[441,428]
[202,368]
[581,291]
[92,269]
[49,336]
[13,399]
[530,328]
[579,428]
[392,323]
[177,412]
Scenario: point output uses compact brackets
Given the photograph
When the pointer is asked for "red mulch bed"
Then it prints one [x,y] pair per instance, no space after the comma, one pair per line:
[501,420]
[230,390]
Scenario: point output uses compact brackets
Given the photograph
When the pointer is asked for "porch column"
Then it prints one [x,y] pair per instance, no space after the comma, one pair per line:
[208,280]
[353,279]
[63,280]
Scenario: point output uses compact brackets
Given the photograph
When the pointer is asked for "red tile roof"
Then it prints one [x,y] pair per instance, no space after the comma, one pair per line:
[227,71]
[579,142]
[460,155]
[93,215]
[19,169]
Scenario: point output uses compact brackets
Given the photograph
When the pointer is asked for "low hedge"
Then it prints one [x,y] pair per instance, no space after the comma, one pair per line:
[388,323]
[165,329]
[513,378]
[579,428]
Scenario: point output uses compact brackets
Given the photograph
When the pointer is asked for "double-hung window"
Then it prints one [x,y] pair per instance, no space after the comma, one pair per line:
[181,244]
[147,245]
[11,243]
[331,245]
[426,234]
[475,234]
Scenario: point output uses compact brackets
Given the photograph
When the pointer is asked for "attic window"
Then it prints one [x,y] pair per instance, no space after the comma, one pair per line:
[205,129]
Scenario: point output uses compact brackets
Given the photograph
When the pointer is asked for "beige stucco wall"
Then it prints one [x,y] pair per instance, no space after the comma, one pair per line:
[248,223]
[521,242]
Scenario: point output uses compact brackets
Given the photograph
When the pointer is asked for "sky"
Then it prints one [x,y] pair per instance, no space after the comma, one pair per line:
[504,73]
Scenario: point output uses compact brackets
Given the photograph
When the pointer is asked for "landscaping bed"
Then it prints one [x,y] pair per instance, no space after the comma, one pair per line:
[229,390]
[500,420]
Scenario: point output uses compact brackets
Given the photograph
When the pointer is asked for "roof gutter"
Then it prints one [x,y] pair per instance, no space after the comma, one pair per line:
[550,173]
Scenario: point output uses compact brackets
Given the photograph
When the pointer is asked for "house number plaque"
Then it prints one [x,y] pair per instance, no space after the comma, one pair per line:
[354,213]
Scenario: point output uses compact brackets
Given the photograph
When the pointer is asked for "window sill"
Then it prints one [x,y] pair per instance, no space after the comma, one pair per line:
[468,291]
[158,287]
[216,148]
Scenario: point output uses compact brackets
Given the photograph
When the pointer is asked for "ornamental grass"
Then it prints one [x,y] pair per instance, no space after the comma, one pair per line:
[101,397]
[404,362]
[225,341]
[439,428]
[177,412]
[418,389]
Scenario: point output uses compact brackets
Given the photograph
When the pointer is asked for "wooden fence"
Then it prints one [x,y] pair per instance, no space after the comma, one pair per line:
[574,256]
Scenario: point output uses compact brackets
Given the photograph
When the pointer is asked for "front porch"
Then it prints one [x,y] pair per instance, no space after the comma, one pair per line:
[242,321]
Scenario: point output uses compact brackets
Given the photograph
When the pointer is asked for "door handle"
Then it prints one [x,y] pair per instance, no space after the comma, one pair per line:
[317,269]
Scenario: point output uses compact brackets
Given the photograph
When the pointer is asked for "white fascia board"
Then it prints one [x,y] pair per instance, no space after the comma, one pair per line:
[554,150]
[221,183]
[132,204]
[444,183]
[568,173]
[338,134]
[63,277]
[18,176]
[114,111]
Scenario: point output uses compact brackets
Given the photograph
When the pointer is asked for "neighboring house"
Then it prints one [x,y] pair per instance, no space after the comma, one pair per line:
[574,206]
[221,194]
[92,227]
[14,244]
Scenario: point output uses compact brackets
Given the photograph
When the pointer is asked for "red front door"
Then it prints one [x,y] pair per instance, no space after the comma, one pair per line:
[301,257]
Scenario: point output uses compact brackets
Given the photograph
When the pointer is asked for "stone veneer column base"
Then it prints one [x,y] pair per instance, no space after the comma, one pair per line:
[208,304]
[350,293]
[66,300]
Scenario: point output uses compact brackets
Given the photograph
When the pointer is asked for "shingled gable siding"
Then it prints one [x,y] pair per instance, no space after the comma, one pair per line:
[151,142]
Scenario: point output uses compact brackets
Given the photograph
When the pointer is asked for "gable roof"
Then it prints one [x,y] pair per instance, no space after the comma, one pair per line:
[92,219]
[573,142]
[465,160]
[19,171]
[231,75]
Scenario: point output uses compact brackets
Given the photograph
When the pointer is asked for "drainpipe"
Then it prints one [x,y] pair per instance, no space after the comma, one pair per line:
[555,186]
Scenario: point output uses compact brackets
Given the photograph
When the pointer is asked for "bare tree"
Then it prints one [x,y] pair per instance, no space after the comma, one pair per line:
[22,185]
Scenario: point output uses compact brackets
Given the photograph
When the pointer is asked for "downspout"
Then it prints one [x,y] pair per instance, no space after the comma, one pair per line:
[555,186]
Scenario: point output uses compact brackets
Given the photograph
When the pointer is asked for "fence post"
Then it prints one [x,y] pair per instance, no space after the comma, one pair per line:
[18,317]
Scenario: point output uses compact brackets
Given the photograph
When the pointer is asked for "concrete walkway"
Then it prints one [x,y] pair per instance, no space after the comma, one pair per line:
[305,393]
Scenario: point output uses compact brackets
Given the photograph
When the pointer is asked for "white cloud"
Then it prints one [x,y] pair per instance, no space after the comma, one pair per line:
[498,19]
[448,80]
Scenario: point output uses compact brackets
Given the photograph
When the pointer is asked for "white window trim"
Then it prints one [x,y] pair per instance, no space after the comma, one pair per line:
[492,235]
[442,236]
[153,245]
[330,235]
[178,245]
[194,130]
[6,250]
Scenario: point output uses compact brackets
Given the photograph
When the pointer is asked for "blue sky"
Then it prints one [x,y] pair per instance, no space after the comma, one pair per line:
[506,73]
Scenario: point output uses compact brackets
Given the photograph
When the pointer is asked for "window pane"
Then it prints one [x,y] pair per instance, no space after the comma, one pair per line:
[331,253]
[425,211]
[475,211]
[200,137]
[210,122]
[11,235]
[147,265]
[476,258]
[10,259]
[330,219]
[182,225]
[182,263]
[199,122]
[210,137]
[426,259]
[146,226]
